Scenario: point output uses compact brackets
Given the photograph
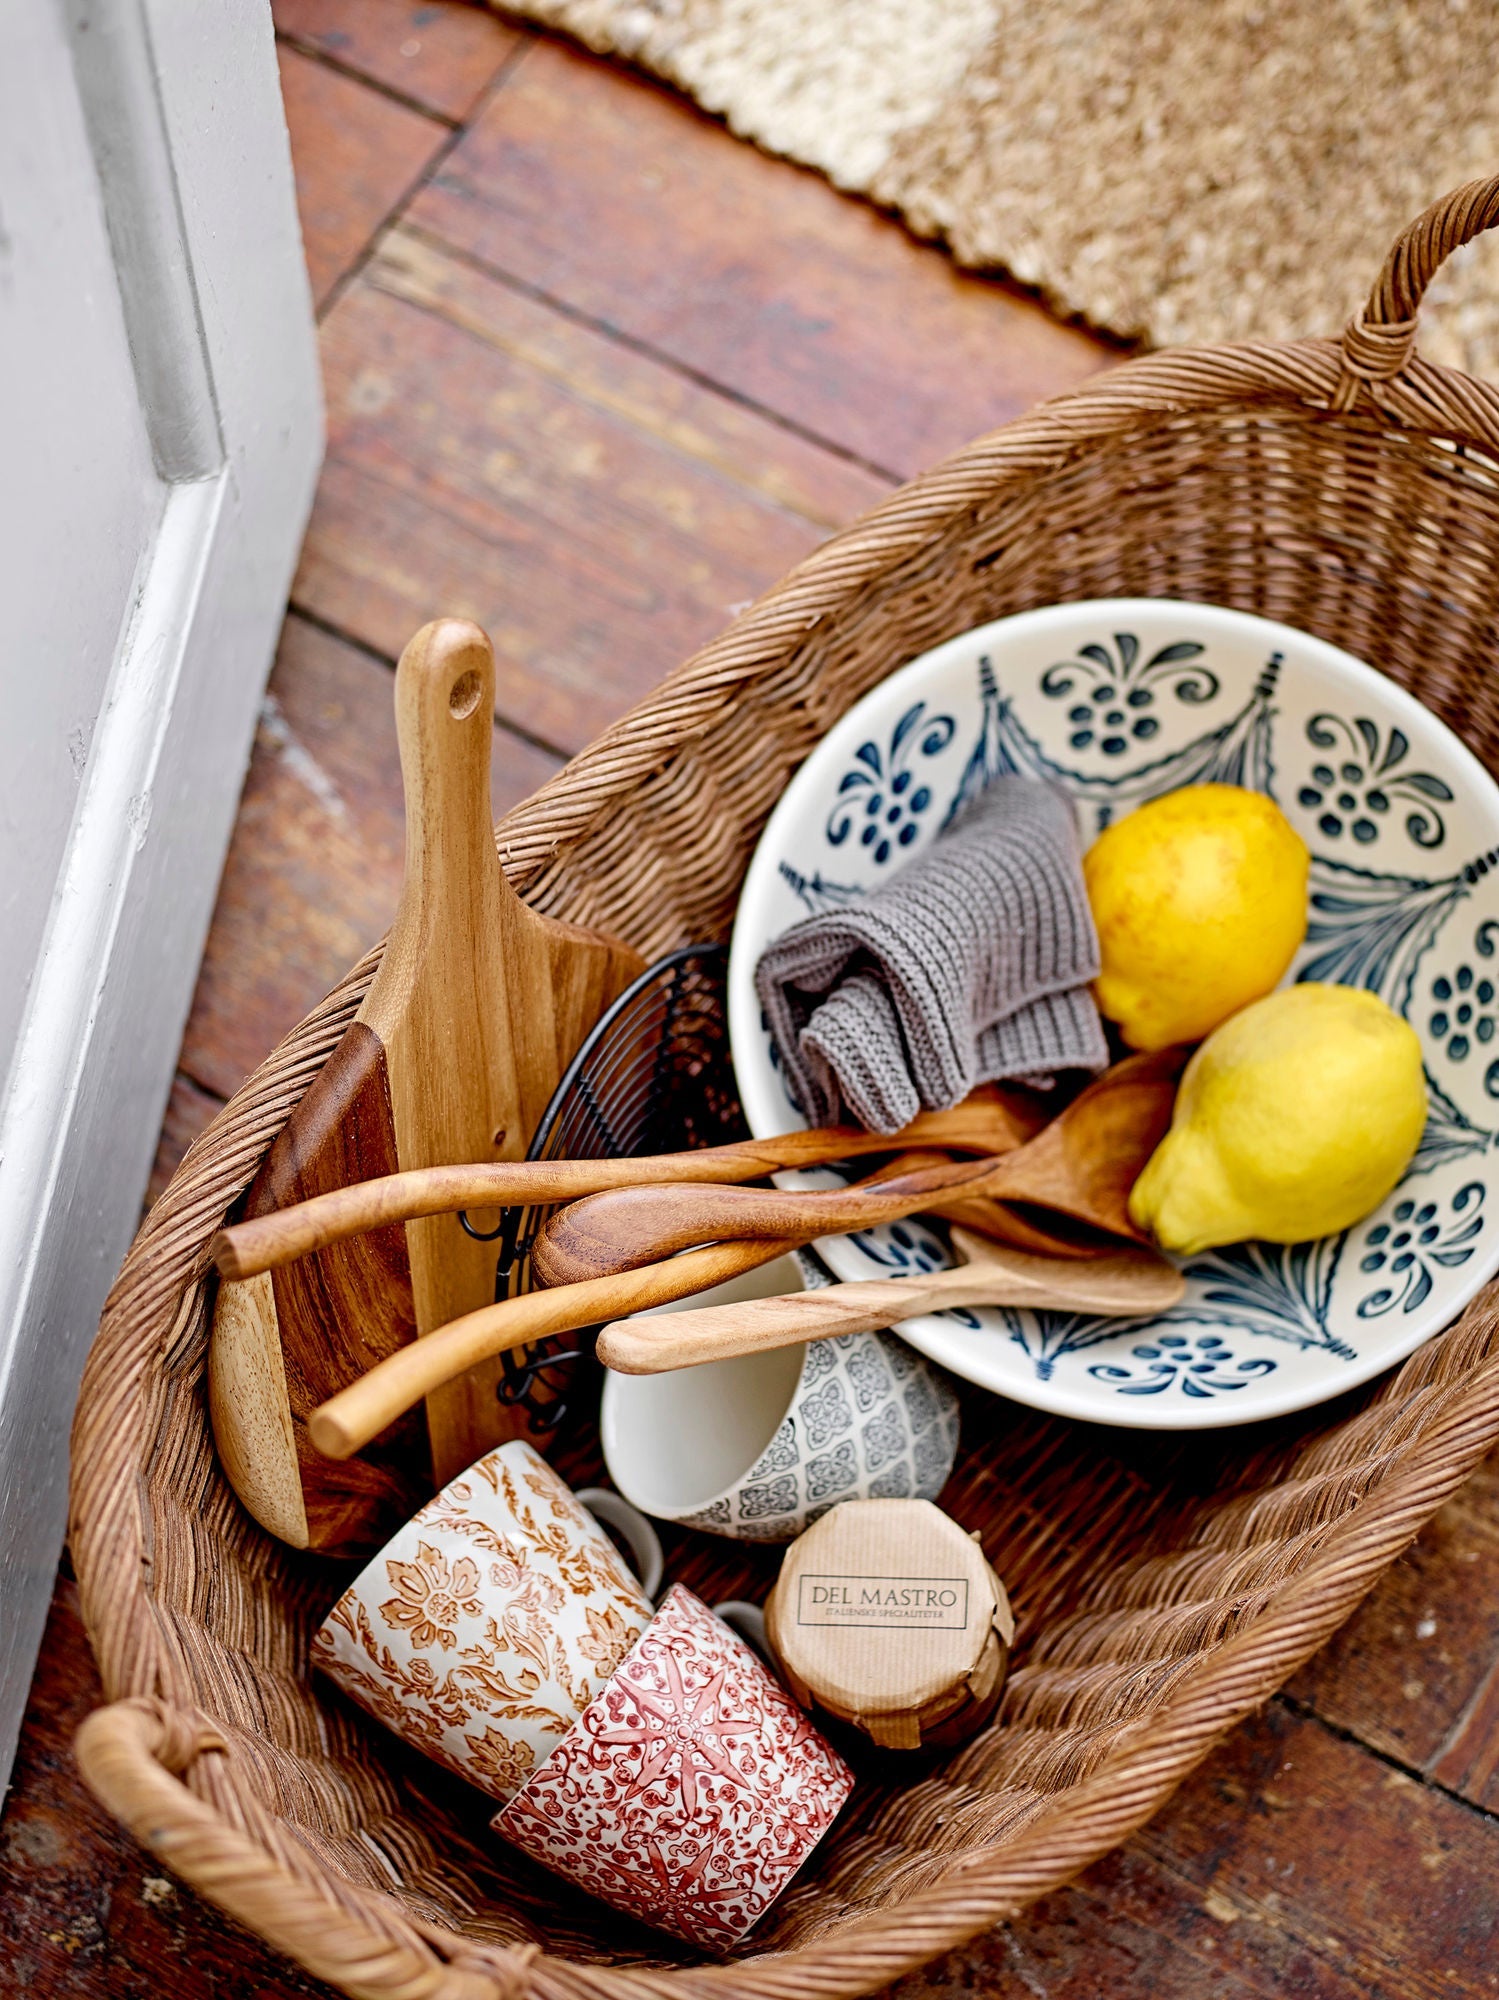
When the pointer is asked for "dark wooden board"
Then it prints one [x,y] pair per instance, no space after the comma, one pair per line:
[357,1295]
[627,204]
[441,54]
[356,153]
[596,513]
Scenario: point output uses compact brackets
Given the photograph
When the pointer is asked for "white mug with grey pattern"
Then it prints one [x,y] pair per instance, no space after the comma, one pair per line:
[759,1446]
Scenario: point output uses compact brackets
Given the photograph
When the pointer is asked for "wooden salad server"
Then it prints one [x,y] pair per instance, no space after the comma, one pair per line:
[1123,1286]
[989,1121]
[477,1007]
[349,1420]
[1081,1166]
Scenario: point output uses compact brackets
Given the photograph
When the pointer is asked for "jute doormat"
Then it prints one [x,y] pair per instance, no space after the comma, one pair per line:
[1172,170]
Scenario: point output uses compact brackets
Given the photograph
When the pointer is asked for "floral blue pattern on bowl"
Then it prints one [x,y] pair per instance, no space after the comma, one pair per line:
[1118,702]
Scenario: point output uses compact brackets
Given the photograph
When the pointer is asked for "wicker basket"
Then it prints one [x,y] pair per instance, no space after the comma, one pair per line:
[1347,487]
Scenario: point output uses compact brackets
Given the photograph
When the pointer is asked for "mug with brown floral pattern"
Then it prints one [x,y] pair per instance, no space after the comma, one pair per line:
[490,1622]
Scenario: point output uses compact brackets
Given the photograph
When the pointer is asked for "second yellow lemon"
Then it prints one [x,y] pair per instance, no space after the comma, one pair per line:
[1294,1120]
[1200,903]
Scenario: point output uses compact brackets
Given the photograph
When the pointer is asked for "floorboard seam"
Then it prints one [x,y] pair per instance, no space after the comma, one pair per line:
[825,525]
[1465,1714]
[1413,1771]
[504,723]
[648,352]
[336,631]
[208,1089]
[455,133]
[315,52]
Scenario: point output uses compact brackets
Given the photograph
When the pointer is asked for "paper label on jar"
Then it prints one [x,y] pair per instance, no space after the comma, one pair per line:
[924,1603]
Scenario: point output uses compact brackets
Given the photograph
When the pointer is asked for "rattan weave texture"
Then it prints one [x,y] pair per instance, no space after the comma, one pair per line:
[1346,487]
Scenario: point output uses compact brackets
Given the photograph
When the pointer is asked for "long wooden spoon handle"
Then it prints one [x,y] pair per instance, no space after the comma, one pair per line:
[615,1232]
[716,1333]
[245,1249]
[347,1421]
[1123,1286]
[988,1122]
[1083,1165]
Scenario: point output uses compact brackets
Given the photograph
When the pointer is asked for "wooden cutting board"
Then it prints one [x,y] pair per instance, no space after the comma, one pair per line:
[475,1011]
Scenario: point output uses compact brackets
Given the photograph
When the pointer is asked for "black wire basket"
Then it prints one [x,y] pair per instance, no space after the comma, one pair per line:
[653,1076]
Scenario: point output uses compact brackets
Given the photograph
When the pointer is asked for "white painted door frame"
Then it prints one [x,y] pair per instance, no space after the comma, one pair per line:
[147,224]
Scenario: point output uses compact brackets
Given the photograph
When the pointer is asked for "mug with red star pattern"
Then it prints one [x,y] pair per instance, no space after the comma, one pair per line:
[486,1626]
[690,1791]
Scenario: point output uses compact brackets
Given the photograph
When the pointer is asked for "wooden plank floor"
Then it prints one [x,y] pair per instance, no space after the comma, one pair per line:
[597,373]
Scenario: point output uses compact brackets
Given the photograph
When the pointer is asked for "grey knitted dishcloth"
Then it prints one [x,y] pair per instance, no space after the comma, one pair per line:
[970,966]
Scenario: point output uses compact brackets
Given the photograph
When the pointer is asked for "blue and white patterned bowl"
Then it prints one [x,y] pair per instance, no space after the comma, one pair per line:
[1117,702]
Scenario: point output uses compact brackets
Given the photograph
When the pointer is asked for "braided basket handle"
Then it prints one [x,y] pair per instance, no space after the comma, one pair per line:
[131,1754]
[1380,342]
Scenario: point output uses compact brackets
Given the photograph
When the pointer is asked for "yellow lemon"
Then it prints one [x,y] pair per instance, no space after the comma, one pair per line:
[1200,903]
[1293,1120]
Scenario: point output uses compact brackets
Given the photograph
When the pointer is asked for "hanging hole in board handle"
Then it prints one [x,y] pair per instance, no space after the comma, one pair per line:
[634,1529]
[463,695]
[748,1620]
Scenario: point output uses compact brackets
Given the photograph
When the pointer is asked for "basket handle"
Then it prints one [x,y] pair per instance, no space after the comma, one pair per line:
[131,1754]
[1379,343]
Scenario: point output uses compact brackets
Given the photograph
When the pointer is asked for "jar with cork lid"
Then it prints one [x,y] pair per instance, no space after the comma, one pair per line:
[887,1616]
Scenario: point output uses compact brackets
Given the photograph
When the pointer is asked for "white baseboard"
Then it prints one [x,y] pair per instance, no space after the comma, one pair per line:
[175,113]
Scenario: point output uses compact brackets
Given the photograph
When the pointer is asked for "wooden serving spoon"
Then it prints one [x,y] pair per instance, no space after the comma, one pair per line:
[1046,1232]
[990,1121]
[347,1422]
[1081,1166]
[1124,1286]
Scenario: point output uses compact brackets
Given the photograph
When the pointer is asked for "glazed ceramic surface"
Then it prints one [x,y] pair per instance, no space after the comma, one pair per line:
[1118,702]
[761,1446]
[691,1792]
[482,1630]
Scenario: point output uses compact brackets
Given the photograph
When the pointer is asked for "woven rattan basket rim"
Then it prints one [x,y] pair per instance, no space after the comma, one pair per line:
[981,1888]
[376,1948]
[1131,397]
